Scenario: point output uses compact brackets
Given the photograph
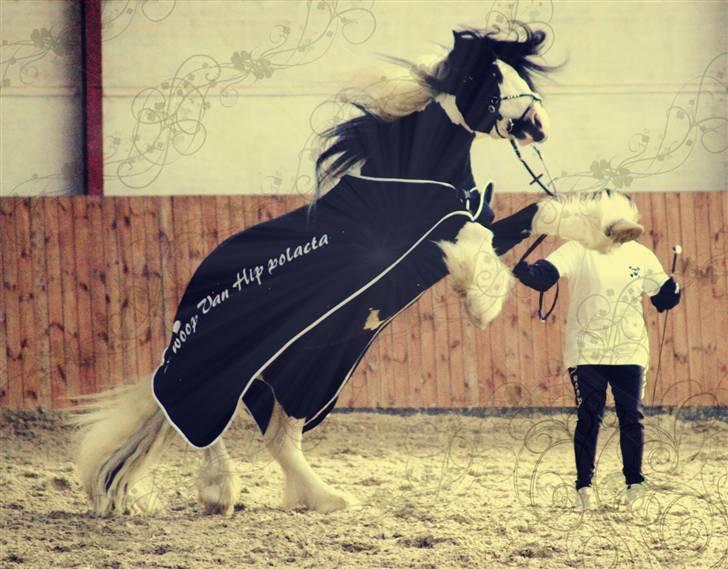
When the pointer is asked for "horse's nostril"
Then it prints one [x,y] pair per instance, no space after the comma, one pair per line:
[537,121]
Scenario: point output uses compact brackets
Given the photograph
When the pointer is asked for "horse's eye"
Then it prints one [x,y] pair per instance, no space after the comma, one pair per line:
[509,126]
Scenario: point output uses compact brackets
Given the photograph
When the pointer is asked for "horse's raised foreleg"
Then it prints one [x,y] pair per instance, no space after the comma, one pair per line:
[217,485]
[303,487]
[599,221]
[479,277]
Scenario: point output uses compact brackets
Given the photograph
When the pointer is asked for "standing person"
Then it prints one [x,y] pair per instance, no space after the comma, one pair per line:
[606,343]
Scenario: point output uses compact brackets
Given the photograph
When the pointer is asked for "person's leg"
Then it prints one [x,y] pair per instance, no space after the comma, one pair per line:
[626,382]
[590,390]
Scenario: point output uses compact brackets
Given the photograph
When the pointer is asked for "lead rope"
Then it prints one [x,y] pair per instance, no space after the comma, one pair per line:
[536,179]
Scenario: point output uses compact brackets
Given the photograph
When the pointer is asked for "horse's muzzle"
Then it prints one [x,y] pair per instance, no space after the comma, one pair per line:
[534,126]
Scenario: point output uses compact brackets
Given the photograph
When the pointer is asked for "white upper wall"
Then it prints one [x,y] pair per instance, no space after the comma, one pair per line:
[40,102]
[184,112]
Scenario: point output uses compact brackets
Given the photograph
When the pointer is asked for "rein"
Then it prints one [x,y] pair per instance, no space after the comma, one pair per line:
[536,179]
[530,250]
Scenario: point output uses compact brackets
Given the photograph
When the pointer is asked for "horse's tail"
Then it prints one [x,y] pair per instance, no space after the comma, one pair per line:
[123,432]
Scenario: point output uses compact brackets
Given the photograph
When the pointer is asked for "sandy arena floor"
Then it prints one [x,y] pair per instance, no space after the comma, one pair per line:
[438,491]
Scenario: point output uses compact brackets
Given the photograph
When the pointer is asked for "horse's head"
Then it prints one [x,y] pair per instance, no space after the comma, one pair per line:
[492,85]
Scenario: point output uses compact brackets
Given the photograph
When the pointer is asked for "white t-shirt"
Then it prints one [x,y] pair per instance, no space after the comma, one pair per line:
[605,323]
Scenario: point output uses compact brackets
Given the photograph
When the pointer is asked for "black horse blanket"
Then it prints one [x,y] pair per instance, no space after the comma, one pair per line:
[287,309]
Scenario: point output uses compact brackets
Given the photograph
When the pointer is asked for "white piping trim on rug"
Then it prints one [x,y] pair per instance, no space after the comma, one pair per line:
[407,180]
[364,351]
[476,215]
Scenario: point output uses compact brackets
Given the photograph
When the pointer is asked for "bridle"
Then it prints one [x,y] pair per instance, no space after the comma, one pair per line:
[509,127]
[535,98]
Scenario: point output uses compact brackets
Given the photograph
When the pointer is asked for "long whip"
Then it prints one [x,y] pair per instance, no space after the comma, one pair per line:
[676,250]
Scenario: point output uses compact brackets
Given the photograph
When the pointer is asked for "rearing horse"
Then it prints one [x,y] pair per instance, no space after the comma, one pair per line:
[279,315]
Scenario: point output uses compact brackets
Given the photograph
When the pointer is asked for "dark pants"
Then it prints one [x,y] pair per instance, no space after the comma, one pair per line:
[590,388]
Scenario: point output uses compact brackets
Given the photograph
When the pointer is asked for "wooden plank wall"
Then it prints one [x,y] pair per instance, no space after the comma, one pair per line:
[90,286]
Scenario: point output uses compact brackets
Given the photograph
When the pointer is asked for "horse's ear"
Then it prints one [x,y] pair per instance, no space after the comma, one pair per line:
[489,189]
[459,38]
[470,52]
[467,42]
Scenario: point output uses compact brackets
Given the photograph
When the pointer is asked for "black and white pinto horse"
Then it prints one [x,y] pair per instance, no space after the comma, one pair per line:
[279,315]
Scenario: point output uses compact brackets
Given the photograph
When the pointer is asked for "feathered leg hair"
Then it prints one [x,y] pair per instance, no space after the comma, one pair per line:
[479,277]
[599,220]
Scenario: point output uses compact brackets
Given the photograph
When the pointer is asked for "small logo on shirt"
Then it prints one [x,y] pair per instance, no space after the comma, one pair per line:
[634,271]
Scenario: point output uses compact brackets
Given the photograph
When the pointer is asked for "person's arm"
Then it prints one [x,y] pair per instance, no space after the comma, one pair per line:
[663,290]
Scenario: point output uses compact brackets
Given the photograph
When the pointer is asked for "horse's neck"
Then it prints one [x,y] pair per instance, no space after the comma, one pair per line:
[425,145]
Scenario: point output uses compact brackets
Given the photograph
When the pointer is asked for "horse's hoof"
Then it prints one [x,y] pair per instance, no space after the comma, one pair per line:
[212,509]
[323,500]
[334,502]
[219,499]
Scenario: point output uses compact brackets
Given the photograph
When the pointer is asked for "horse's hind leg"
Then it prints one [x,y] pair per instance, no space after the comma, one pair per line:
[217,485]
[303,487]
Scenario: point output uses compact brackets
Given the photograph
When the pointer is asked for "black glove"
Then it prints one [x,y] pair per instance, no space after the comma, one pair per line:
[667,297]
[521,270]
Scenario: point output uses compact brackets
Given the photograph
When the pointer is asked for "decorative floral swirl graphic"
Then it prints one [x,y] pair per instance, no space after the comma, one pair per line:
[23,56]
[504,14]
[20,64]
[687,126]
[66,182]
[118,15]
[613,319]
[169,118]
[680,515]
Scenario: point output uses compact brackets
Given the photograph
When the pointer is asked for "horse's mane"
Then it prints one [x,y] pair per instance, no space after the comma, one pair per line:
[344,148]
